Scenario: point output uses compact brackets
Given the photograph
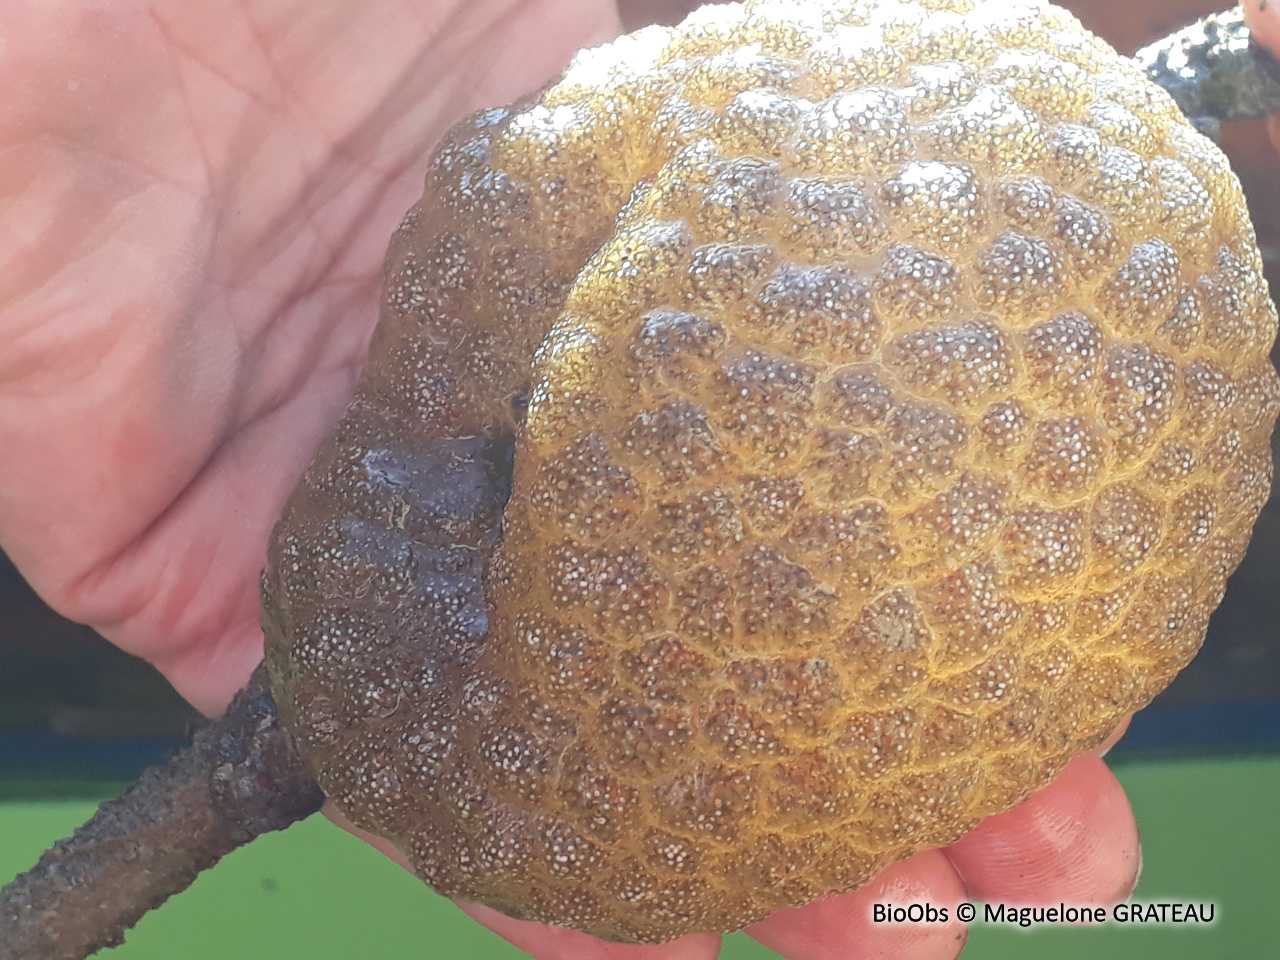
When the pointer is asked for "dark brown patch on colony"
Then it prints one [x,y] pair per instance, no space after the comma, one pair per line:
[897,404]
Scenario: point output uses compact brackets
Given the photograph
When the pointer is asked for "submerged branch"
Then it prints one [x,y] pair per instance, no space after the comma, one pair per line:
[241,777]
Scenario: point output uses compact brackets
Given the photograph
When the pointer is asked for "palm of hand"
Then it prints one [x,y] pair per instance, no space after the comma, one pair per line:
[198,203]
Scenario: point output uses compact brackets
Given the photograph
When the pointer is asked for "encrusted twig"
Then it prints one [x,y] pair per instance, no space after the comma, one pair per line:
[239,778]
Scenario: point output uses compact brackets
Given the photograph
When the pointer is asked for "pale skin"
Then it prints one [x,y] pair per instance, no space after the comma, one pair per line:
[197,198]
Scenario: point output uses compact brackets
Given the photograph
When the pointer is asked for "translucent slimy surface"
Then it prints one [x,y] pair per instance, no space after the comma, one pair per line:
[889,397]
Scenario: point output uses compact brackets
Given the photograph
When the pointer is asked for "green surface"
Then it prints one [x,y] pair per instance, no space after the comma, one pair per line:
[1210,833]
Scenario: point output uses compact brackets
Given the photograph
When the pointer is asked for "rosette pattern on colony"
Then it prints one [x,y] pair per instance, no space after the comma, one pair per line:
[887,390]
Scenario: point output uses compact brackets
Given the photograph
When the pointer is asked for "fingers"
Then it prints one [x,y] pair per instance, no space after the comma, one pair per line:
[541,941]
[1075,841]
[1263,18]
[841,927]
[833,928]
[559,943]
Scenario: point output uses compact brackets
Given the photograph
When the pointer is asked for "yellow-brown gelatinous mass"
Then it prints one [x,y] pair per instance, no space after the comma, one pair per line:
[889,397]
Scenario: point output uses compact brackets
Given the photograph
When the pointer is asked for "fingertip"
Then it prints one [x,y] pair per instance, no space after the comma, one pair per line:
[1263,19]
[381,844]
[842,927]
[1075,841]
[1113,737]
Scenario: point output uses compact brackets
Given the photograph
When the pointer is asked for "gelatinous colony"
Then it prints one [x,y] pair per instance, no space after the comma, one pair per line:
[788,439]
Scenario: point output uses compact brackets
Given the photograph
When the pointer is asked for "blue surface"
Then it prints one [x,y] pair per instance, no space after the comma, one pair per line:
[1203,728]
[1217,728]
[38,755]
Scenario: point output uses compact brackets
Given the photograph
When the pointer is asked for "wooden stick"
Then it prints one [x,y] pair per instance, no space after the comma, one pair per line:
[241,777]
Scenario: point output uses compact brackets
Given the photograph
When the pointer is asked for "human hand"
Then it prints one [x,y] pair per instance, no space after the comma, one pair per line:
[199,199]
[1263,19]
[1074,842]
